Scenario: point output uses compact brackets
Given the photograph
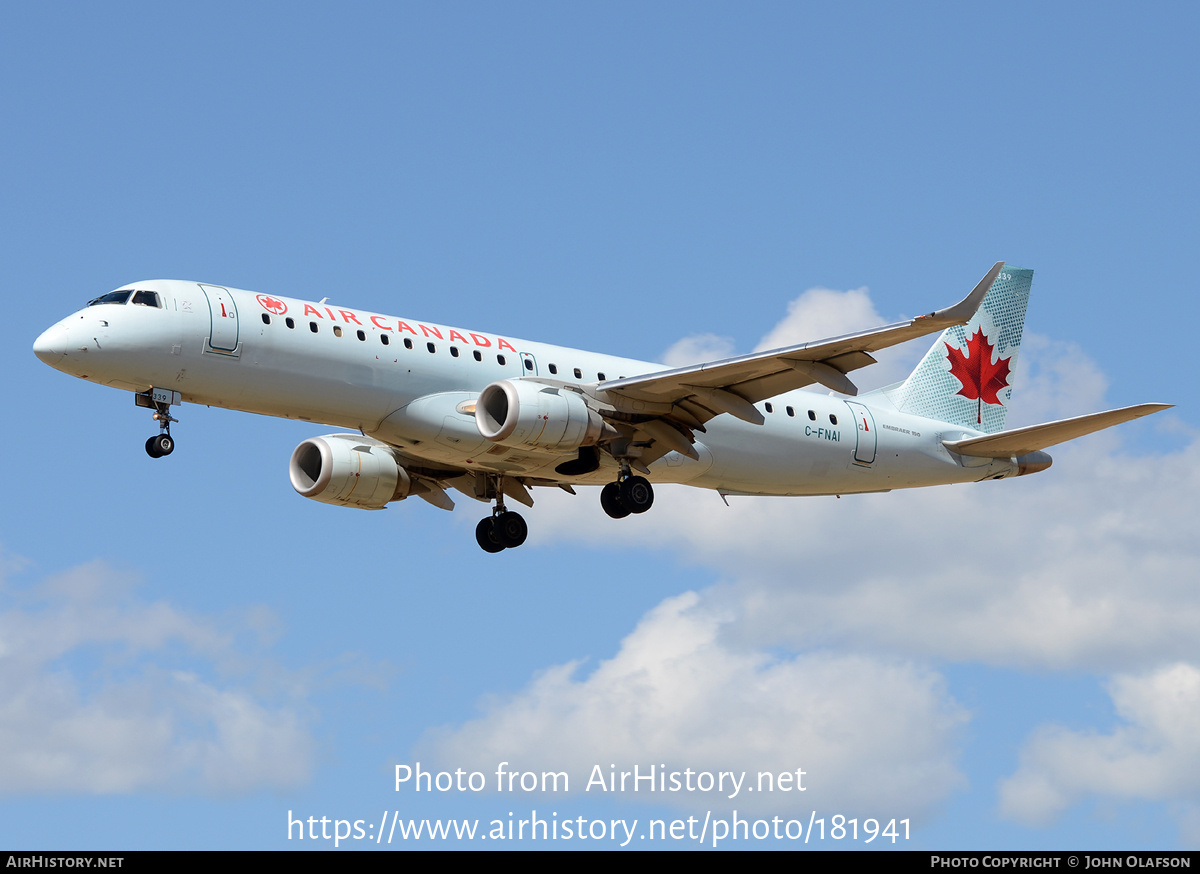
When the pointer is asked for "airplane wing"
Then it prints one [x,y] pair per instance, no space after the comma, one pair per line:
[1021,441]
[692,395]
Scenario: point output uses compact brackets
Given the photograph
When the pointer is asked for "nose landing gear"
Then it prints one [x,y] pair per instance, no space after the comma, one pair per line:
[162,443]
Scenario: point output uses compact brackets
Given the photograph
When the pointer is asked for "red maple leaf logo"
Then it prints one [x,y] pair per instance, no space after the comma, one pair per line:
[980,378]
[272,305]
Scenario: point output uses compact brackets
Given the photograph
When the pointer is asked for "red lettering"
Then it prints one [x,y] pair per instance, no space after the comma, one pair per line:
[378,324]
[349,317]
[454,333]
[404,326]
[331,315]
[504,344]
[481,341]
[310,309]
[431,331]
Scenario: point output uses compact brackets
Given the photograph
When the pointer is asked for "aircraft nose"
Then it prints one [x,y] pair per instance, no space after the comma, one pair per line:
[51,346]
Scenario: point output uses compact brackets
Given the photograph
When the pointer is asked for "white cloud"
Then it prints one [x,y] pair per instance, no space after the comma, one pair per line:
[1153,755]
[101,692]
[1188,818]
[872,734]
[820,313]
[1053,380]
[817,314]
[1082,566]
[698,349]
[1085,567]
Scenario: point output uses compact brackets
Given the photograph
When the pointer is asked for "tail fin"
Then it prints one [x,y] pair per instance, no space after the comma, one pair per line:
[964,378]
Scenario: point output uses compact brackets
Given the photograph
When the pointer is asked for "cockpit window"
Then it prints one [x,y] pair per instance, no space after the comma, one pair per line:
[112,297]
[146,299]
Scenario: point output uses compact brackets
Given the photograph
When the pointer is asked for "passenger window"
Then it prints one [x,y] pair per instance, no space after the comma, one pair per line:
[312,326]
[528,364]
[832,419]
[600,376]
[337,330]
[407,343]
[266,319]
[553,369]
[812,416]
[146,299]
[361,335]
[431,347]
[478,355]
[770,409]
[578,373]
[290,322]
[453,351]
[791,412]
[383,338]
[500,360]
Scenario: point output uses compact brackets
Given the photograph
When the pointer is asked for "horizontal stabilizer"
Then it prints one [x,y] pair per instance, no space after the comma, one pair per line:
[1021,441]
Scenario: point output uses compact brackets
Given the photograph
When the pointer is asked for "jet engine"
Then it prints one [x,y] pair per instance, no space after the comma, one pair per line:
[348,470]
[521,413]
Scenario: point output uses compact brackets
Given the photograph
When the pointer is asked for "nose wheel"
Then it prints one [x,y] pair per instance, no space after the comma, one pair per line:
[162,443]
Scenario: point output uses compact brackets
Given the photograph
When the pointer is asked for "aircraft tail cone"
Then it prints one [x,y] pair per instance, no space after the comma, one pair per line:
[1033,462]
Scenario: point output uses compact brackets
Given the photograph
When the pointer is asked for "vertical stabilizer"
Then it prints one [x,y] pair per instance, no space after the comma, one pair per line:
[966,377]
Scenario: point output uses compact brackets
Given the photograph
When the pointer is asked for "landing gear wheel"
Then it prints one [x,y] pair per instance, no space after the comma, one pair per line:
[485,535]
[163,445]
[610,500]
[511,529]
[637,495]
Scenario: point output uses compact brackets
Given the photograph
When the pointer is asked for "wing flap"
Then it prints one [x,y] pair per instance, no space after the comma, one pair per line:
[1021,441]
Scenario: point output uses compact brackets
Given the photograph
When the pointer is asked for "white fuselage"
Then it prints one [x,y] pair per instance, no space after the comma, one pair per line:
[402,381]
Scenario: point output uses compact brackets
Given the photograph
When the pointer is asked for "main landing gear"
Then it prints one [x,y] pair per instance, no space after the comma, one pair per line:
[505,529]
[502,530]
[162,443]
[629,494]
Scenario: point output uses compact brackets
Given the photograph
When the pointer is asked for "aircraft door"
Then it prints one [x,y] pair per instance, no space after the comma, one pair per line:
[528,365]
[864,428]
[223,336]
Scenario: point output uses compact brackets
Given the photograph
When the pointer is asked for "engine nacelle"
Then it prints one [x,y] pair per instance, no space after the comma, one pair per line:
[348,470]
[521,413]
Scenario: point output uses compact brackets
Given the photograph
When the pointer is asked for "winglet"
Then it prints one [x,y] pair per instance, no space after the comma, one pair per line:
[961,312]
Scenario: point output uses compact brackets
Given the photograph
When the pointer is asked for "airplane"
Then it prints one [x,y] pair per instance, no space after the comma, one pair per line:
[437,408]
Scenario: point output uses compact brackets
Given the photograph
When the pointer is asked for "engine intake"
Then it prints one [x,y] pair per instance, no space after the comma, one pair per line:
[519,413]
[348,470]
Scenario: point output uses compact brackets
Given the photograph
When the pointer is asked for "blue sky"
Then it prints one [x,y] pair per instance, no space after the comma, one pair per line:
[189,650]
